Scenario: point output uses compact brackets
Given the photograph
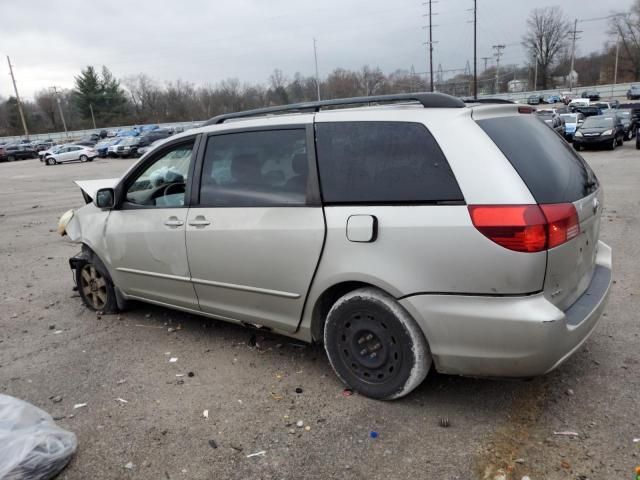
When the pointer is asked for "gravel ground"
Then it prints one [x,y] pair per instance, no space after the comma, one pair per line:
[51,345]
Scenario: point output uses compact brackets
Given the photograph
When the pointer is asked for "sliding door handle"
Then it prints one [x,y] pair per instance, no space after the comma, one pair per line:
[173,222]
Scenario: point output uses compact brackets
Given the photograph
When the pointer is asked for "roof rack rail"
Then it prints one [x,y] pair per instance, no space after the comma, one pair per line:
[487,100]
[427,99]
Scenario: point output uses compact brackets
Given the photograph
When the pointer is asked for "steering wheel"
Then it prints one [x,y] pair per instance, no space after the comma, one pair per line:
[167,189]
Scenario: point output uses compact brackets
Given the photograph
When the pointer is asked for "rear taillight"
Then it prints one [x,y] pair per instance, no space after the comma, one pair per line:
[526,228]
[526,109]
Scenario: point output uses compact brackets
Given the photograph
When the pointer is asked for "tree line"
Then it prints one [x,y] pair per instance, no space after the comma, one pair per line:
[99,96]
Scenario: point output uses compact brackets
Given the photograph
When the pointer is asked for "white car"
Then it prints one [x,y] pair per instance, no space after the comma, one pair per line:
[71,153]
[579,102]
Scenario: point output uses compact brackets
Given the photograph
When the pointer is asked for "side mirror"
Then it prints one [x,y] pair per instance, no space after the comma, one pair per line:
[105,198]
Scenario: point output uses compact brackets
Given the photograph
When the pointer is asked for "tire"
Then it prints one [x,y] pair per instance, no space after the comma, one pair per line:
[637,143]
[577,147]
[620,141]
[90,159]
[50,161]
[83,158]
[11,158]
[374,346]
[96,287]
[614,142]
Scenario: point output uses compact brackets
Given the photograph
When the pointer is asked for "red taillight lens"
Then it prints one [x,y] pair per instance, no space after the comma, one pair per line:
[526,228]
[526,109]
[562,223]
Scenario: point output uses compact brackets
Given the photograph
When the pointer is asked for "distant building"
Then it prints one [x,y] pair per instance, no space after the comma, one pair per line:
[515,86]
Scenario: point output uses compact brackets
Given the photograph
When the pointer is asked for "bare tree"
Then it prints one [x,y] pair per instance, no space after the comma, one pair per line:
[546,38]
[371,80]
[626,29]
[46,101]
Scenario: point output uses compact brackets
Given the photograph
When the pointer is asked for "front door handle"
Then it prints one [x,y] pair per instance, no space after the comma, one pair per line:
[199,221]
[173,222]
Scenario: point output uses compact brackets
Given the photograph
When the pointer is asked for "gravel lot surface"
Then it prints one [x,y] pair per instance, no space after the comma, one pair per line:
[50,345]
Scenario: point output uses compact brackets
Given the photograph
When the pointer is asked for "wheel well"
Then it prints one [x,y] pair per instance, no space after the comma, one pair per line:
[326,301]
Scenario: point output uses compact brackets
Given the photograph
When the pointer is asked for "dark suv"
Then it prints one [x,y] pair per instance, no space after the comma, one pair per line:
[10,153]
[150,137]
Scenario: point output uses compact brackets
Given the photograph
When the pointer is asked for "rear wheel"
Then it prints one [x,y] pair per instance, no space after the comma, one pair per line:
[374,345]
[95,286]
[83,158]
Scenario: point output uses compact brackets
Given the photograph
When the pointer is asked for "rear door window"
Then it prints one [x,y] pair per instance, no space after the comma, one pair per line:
[549,167]
[383,163]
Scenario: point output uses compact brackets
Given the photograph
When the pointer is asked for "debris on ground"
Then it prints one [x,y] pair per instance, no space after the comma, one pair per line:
[205,414]
[33,446]
[213,444]
[79,405]
[567,433]
[121,381]
[56,399]
[347,392]
[570,392]
[373,434]
[261,453]
[173,359]
[129,466]
[636,440]
[191,374]
[121,400]
[307,428]
[444,422]
[298,390]
[299,424]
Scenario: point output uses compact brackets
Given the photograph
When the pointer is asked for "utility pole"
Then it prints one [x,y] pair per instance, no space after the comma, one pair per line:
[498,54]
[574,34]
[475,56]
[315,55]
[615,69]
[535,75]
[15,89]
[92,117]
[64,124]
[485,62]
[430,42]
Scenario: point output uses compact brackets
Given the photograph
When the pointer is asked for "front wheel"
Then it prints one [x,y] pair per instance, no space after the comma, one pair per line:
[50,161]
[374,345]
[95,287]
[613,144]
[11,158]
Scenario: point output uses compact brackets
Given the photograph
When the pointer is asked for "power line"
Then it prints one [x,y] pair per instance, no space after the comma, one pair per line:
[15,89]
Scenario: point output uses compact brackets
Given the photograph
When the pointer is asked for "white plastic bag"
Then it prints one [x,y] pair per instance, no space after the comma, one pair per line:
[32,446]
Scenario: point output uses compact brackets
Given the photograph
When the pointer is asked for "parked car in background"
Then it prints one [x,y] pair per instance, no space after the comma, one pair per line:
[535,99]
[571,122]
[633,93]
[112,150]
[41,146]
[71,153]
[587,111]
[153,135]
[551,118]
[103,147]
[44,153]
[15,151]
[552,99]
[335,230]
[86,141]
[629,122]
[566,97]
[592,95]
[599,131]
[579,102]
[128,133]
[103,134]
[606,105]
[127,147]
[151,146]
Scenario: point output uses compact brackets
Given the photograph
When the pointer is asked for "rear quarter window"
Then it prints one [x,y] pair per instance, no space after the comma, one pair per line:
[383,163]
[549,167]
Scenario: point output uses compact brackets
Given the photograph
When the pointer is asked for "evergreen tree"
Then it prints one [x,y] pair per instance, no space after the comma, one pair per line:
[101,92]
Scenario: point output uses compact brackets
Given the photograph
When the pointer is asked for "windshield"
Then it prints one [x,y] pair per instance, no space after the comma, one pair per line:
[598,122]
[569,117]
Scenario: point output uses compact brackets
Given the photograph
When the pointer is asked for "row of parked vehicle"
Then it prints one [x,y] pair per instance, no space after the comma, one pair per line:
[129,142]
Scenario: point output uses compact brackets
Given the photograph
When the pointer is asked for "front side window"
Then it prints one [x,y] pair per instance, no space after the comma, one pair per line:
[383,162]
[255,169]
[163,183]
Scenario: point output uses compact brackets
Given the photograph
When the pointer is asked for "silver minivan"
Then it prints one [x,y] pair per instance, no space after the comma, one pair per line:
[411,232]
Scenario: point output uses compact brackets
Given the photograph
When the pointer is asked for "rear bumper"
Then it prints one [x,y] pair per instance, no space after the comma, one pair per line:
[509,336]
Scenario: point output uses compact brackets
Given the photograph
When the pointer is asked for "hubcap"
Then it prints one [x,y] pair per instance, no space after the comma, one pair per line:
[94,286]
[368,347]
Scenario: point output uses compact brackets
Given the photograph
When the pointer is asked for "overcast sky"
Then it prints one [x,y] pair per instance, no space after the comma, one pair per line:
[205,41]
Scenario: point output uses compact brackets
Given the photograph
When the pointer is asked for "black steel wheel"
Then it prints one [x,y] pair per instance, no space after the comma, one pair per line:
[374,345]
[95,286]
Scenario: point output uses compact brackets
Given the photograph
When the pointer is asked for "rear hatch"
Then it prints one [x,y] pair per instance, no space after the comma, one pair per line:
[555,175]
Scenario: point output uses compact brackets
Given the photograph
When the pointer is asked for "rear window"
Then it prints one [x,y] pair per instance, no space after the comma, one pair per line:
[550,168]
[383,162]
